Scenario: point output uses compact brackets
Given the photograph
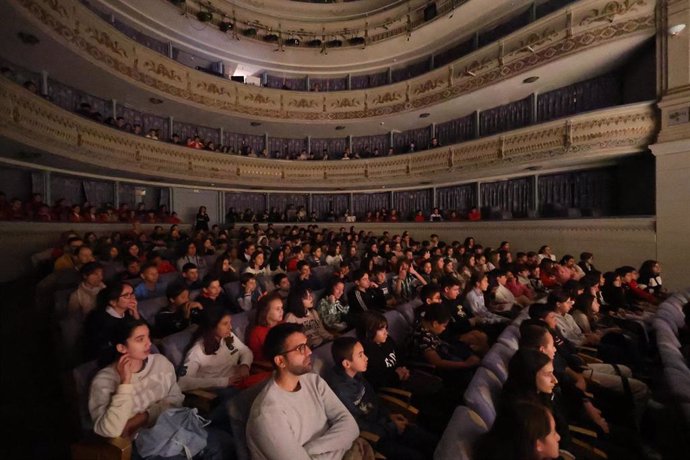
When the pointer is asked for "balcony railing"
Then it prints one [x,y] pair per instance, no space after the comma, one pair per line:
[28,119]
[587,24]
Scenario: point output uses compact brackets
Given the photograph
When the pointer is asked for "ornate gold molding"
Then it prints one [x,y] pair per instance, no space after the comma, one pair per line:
[544,41]
[32,121]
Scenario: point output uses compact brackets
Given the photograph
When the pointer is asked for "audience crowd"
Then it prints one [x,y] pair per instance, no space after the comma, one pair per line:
[259,307]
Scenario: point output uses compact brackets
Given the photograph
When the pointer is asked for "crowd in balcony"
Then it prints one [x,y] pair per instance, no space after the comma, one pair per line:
[37,210]
[301,289]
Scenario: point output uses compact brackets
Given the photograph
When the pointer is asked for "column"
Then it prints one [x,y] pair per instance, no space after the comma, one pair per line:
[116,195]
[672,150]
[47,192]
[44,83]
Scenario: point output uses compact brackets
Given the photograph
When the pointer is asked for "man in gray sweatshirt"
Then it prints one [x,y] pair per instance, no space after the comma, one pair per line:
[297,416]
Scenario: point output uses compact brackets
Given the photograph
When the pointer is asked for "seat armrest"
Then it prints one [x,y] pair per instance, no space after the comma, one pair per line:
[397,392]
[399,406]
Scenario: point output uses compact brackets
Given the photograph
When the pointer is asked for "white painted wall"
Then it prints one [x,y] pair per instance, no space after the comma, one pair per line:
[186,202]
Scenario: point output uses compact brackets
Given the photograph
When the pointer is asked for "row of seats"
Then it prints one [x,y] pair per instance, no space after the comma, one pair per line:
[474,419]
[667,323]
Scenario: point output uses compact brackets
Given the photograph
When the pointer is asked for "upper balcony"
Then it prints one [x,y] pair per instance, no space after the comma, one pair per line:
[584,39]
[33,129]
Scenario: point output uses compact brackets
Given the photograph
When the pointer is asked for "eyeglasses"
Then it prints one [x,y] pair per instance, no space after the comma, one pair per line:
[301,348]
[128,295]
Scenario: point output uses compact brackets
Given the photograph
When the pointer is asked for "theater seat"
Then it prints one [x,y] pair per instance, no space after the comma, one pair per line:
[407,309]
[463,429]
[496,360]
[398,328]
[174,345]
[150,307]
[240,407]
[240,325]
[510,337]
[322,360]
[482,394]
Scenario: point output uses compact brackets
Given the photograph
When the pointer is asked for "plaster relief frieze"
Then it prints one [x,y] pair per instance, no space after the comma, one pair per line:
[56,6]
[429,85]
[32,121]
[104,45]
[105,40]
[303,103]
[345,103]
[162,70]
[610,10]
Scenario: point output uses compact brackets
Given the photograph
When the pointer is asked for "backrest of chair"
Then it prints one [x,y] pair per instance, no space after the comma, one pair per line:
[239,408]
[150,307]
[82,376]
[175,344]
[482,393]
[407,309]
[232,290]
[667,317]
[665,333]
[398,328]
[323,273]
[510,337]
[240,325]
[464,428]
[60,301]
[675,312]
[210,260]
[322,360]
[496,360]
[167,278]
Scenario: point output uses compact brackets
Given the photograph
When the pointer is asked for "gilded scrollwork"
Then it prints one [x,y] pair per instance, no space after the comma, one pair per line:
[124,57]
[104,39]
[429,85]
[162,70]
[385,98]
[303,103]
[345,102]
[258,98]
[610,10]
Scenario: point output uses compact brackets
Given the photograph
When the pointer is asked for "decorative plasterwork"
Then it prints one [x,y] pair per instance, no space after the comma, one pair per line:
[540,43]
[30,120]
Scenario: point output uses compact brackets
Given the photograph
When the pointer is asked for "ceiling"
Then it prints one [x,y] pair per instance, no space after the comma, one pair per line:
[60,63]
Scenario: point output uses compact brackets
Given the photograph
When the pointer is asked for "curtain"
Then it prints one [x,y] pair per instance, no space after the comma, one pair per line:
[61,95]
[282,200]
[410,71]
[140,37]
[241,201]
[505,117]
[361,143]
[67,187]
[513,196]
[369,81]
[454,53]
[421,137]
[459,198]
[505,28]
[130,115]
[550,6]
[592,94]
[98,192]
[334,146]
[329,84]
[408,202]
[322,204]
[155,122]
[364,202]
[458,130]
[284,144]
[583,190]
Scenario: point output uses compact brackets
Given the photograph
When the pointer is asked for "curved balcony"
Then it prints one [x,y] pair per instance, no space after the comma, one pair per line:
[542,43]
[63,138]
